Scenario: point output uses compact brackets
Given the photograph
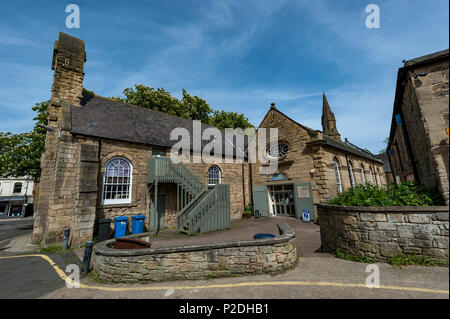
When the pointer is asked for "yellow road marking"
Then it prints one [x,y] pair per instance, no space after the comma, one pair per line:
[63,276]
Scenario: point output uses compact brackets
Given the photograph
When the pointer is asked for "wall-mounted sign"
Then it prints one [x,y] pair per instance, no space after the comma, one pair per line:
[305,215]
[303,192]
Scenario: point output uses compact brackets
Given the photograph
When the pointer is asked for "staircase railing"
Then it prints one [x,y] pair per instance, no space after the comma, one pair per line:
[212,212]
[205,210]
[163,170]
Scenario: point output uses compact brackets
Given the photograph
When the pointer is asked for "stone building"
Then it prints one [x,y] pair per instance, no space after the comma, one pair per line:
[418,140]
[313,166]
[16,196]
[104,158]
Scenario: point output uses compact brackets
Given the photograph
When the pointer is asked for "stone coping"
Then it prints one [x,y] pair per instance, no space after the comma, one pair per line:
[389,209]
[104,248]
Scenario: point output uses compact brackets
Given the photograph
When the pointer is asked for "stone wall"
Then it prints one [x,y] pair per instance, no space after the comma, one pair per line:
[230,258]
[420,145]
[384,232]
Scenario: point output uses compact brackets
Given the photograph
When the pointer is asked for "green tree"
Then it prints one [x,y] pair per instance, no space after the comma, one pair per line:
[224,119]
[20,154]
[190,107]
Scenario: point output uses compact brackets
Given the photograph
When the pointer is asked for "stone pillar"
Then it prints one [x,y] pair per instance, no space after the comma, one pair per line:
[82,227]
[60,158]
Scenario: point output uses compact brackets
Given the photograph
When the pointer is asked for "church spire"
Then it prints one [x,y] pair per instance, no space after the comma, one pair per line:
[328,120]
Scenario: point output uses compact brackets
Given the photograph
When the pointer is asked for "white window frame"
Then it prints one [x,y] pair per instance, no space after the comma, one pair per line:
[338,175]
[220,175]
[130,189]
[352,177]
[371,176]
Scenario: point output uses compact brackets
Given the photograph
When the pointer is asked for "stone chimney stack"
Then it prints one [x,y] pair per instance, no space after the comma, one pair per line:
[68,62]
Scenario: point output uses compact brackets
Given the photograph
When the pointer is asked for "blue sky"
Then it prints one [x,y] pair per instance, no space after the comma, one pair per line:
[237,55]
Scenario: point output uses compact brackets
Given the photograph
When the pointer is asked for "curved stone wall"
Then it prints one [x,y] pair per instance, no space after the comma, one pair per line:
[272,255]
[384,232]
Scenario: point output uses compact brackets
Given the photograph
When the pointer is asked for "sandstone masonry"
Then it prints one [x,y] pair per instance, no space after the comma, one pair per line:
[385,232]
[197,262]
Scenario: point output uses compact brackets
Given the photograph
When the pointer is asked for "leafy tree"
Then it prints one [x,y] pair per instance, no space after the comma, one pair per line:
[190,107]
[223,119]
[20,154]
[158,100]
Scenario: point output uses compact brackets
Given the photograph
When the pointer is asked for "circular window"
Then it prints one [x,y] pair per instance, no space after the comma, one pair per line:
[278,151]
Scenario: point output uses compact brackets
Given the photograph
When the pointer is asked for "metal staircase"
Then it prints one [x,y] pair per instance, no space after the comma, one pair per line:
[199,209]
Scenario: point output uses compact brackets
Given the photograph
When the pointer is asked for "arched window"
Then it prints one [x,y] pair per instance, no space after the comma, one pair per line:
[363,175]
[338,175]
[371,176]
[17,188]
[279,151]
[378,178]
[117,181]
[214,175]
[350,172]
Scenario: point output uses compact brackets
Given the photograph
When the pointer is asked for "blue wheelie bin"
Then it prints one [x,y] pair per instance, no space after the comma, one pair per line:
[120,226]
[137,224]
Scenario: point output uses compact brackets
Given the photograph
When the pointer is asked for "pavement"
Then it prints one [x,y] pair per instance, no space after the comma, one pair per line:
[27,273]
[307,234]
[14,227]
[312,278]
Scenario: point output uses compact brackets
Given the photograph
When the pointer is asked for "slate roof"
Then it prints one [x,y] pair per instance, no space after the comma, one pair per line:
[106,118]
[349,147]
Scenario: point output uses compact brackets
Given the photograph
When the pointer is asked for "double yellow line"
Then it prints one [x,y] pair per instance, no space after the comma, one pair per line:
[63,276]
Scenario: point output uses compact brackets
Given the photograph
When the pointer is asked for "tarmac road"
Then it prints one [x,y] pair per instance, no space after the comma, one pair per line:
[313,278]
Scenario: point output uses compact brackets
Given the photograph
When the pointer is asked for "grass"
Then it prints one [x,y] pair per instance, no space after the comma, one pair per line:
[350,257]
[93,275]
[399,260]
[403,260]
[51,249]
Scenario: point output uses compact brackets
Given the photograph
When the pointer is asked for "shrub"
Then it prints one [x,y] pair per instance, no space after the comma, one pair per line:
[402,194]
[403,260]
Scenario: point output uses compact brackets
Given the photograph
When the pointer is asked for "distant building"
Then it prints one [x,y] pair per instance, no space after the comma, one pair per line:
[387,168]
[419,140]
[16,197]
